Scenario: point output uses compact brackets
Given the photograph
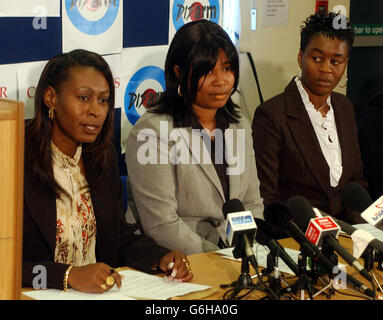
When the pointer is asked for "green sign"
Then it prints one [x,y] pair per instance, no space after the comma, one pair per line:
[368,29]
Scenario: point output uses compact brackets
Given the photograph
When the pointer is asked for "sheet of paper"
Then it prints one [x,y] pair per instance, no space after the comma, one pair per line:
[54,294]
[134,285]
[275,13]
[377,233]
[142,285]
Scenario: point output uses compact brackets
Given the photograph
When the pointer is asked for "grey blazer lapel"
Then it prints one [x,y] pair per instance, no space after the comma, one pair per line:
[200,155]
[304,135]
[232,151]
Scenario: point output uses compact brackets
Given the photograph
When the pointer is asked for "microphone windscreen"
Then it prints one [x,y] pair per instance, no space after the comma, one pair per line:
[232,205]
[355,196]
[301,210]
[264,231]
[277,214]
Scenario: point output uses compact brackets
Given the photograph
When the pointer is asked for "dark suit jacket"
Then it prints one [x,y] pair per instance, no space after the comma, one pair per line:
[289,157]
[371,144]
[116,244]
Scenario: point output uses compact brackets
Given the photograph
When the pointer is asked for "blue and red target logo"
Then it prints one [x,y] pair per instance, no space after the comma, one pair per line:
[186,11]
[92,17]
[142,89]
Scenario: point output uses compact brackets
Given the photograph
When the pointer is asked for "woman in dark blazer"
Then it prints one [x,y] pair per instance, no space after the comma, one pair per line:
[305,139]
[73,211]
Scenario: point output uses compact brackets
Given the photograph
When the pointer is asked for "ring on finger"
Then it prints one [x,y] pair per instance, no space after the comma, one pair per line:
[110,281]
[187,264]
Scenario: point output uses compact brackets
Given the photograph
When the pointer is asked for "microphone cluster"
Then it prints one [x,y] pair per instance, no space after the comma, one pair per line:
[316,233]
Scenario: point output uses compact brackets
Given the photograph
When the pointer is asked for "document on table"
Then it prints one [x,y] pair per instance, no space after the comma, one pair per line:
[135,285]
[377,233]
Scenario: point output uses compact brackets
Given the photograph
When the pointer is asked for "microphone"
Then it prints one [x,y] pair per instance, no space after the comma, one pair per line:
[240,232]
[355,196]
[352,231]
[278,214]
[304,216]
[240,227]
[284,220]
[374,213]
[263,237]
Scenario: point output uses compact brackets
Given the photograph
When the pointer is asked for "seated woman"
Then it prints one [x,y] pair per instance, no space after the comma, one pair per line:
[370,130]
[192,151]
[73,211]
[305,139]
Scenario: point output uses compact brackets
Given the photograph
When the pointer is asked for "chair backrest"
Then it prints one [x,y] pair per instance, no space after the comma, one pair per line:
[11,197]
[129,202]
[125,196]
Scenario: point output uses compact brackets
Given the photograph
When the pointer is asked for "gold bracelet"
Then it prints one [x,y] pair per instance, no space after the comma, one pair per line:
[66,276]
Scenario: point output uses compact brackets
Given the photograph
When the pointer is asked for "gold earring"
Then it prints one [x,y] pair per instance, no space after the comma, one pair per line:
[179,90]
[51,113]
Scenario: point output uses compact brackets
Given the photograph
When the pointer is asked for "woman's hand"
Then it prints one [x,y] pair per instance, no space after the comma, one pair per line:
[92,278]
[176,266]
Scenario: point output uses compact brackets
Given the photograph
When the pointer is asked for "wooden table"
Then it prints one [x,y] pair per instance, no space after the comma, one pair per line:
[212,269]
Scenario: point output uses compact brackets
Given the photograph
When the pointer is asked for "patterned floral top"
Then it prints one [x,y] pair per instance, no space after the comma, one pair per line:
[76,222]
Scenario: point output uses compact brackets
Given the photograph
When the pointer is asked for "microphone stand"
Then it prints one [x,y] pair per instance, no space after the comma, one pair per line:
[317,271]
[303,282]
[369,259]
[329,252]
[244,280]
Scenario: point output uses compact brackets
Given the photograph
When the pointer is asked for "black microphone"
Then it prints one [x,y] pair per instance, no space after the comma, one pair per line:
[284,220]
[355,196]
[279,215]
[303,212]
[263,237]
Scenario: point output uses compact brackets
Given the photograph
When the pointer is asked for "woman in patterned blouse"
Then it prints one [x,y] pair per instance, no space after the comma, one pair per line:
[73,214]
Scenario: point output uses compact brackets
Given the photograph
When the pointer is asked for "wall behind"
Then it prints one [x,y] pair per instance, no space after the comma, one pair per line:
[275,49]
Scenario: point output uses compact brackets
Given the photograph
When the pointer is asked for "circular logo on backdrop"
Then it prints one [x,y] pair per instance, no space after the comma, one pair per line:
[143,88]
[92,17]
[186,11]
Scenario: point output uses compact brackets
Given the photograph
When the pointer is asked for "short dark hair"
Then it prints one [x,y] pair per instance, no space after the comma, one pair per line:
[323,24]
[38,152]
[195,48]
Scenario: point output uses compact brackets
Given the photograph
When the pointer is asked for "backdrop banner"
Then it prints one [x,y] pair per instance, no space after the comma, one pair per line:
[92,25]
[8,82]
[28,75]
[142,81]
[184,11]
[30,8]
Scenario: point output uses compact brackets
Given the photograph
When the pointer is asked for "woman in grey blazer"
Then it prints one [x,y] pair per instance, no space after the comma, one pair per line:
[192,151]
